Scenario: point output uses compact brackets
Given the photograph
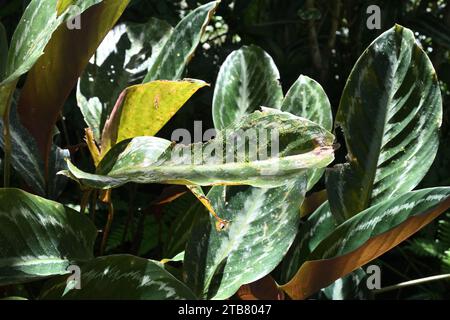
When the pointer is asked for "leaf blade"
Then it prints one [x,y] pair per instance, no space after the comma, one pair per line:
[390,113]
[365,237]
[39,237]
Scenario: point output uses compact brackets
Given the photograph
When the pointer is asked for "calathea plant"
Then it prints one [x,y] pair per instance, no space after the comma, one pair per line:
[269,151]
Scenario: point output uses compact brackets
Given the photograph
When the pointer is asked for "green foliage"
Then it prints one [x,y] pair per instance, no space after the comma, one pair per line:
[238,211]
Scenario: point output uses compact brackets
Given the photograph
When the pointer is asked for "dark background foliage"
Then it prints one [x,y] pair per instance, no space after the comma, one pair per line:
[319,38]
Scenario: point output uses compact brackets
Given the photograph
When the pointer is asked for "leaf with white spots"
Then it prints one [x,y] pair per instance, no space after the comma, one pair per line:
[122,59]
[180,46]
[365,237]
[40,238]
[247,80]
[390,113]
[263,224]
[265,149]
[121,277]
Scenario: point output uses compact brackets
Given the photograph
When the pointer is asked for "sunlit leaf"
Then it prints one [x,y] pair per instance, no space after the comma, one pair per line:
[390,114]
[365,237]
[179,48]
[121,60]
[54,75]
[121,277]
[247,80]
[263,226]
[307,99]
[142,110]
[302,145]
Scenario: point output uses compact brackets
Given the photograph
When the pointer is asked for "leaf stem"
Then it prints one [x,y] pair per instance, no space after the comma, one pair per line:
[413,283]
[107,226]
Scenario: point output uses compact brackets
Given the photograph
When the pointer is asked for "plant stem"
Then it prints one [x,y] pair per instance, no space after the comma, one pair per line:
[107,227]
[413,283]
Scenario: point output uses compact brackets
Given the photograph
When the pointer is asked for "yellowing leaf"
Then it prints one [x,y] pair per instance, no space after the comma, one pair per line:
[62,6]
[142,110]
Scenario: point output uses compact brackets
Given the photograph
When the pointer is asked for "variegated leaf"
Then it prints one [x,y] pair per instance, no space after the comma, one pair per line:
[52,78]
[263,224]
[120,277]
[26,159]
[122,59]
[365,237]
[179,48]
[351,287]
[306,98]
[316,228]
[40,238]
[33,32]
[390,114]
[241,154]
[247,80]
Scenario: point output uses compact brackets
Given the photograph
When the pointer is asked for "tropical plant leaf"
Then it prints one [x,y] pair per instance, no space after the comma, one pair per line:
[34,31]
[247,80]
[121,60]
[351,287]
[316,228]
[3,52]
[26,159]
[52,78]
[263,289]
[302,145]
[179,48]
[390,113]
[181,229]
[263,225]
[365,237]
[56,183]
[142,110]
[121,277]
[32,34]
[306,98]
[39,237]
[63,5]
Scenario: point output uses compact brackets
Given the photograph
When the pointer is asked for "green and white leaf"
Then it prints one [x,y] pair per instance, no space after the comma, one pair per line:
[26,159]
[34,31]
[306,98]
[39,237]
[316,228]
[180,46]
[263,225]
[379,219]
[351,287]
[122,59]
[247,80]
[303,145]
[121,277]
[365,237]
[390,114]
